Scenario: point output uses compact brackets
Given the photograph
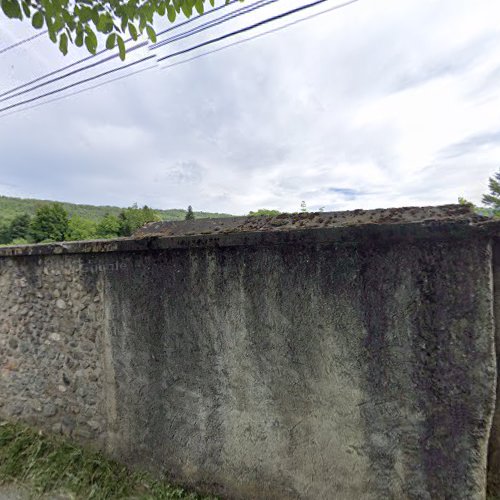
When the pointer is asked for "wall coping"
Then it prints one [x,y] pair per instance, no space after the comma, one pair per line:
[343,228]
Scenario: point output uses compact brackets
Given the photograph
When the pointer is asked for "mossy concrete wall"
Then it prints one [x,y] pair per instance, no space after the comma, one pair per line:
[352,362]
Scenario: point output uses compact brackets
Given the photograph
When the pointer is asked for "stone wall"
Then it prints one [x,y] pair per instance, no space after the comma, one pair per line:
[352,361]
[51,331]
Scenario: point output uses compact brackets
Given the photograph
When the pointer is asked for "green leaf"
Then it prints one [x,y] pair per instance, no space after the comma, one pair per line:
[58,23]
[151,33]
[133,31]
[85,14]
[52,32]
[95,16]
[37,20]
[91,42]
[12,9]
[111,41]
[26,8]
[63,43]
[200,7]
[121,47]
[124,23]
[171,14]
[79,39]
[101,23]
[142,23]
[187,9]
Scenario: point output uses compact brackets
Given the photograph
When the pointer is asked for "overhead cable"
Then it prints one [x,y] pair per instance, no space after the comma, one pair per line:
[22,42]
[279,28]
[102,51]
[249,28]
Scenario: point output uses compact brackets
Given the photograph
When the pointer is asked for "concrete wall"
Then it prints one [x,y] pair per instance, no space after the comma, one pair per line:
[350,362]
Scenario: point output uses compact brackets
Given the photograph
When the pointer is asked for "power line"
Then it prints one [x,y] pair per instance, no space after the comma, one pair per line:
[18,90]
[181,62]
[55,72]
[249,28]
[75,84]
[71,73]
[260,35]
[188,21]
[216,22]
[22,42]
[81,91]
[98,53]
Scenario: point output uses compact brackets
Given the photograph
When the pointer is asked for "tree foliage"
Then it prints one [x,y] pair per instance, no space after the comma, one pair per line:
[11,207]
[108,227]
[264,211]
[133,218]
[67,222]
[50,223]
[84,22]
[492,199]
[80,229]
[190,213]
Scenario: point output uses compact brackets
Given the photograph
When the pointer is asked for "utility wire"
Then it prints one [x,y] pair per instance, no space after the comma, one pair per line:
[345,4]
[55,72]
[188,21]
[75,84]
[81,91]
[249,28]
[260,35]
[71,73]
[102,51]
[22,42]
[216,22]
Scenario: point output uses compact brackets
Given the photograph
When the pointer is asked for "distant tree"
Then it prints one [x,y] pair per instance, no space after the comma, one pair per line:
[108,227]
[492,199]
[20,227]
[80,228]
[133,218]
[190,213]
[264,211]
[303,207]
[50,223]
[4,234]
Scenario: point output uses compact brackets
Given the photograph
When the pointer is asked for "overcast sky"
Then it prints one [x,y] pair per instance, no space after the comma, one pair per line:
[382,103]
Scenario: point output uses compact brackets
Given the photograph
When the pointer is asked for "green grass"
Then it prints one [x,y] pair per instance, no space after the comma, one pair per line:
[46,464]
[10,207]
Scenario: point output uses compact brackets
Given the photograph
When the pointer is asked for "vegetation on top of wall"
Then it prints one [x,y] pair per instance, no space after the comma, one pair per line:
[50,465]
[264,211]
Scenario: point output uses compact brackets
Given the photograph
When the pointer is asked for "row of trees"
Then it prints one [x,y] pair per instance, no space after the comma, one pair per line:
[53,223]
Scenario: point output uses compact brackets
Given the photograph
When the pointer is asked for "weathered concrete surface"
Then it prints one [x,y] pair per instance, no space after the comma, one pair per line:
[354,362]
[295,372]
[494,445]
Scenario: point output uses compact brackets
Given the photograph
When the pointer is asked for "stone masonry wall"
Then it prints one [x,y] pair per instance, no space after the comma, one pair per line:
[51,326]
[353,363]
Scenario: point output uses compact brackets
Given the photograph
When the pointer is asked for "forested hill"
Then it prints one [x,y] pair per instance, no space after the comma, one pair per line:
[11,207]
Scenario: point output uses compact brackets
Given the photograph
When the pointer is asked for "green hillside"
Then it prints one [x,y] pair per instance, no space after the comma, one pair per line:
[10,207]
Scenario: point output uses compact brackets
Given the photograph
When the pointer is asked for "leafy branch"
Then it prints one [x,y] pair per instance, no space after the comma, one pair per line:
[83,22]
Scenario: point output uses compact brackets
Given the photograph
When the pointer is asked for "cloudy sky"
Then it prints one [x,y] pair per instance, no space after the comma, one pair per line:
[381,103]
